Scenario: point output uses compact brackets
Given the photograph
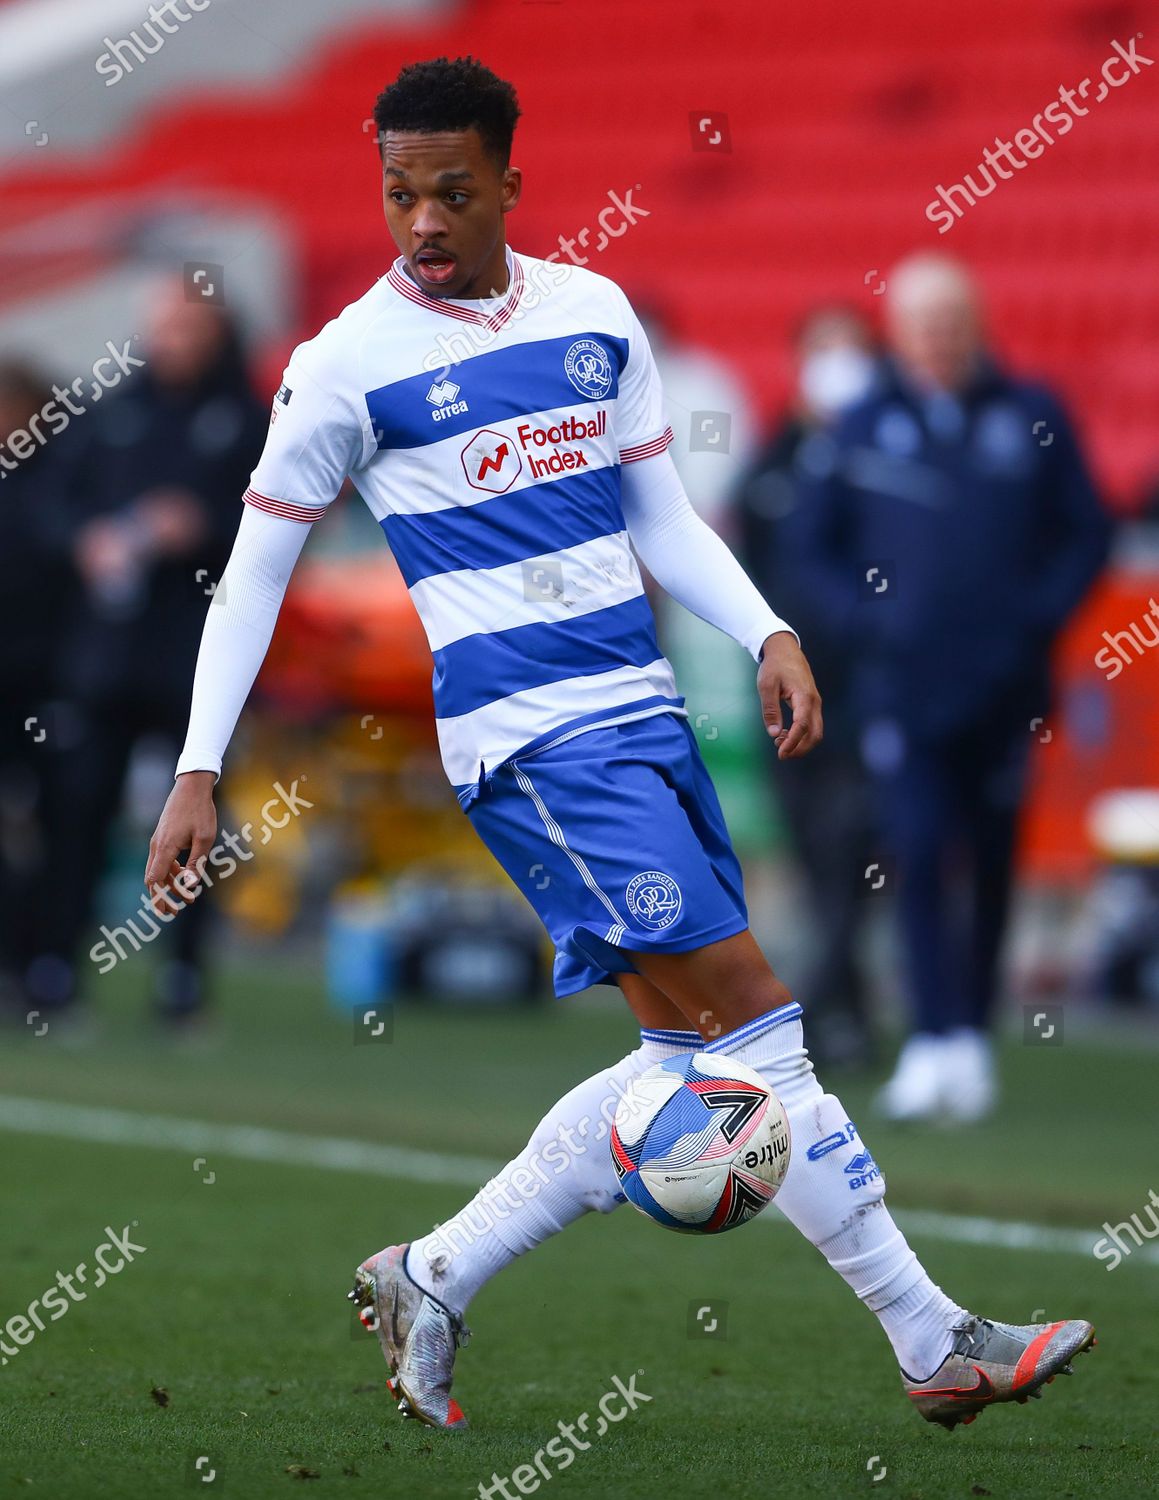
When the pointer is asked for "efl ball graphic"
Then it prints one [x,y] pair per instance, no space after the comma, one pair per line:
[700,1143]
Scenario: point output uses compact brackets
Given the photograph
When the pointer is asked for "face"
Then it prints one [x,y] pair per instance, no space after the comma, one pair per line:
[444,198]
[836,364]
[182,339]
[936,337]
[835,330]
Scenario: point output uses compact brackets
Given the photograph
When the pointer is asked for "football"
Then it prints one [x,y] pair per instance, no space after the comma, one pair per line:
[700,1143]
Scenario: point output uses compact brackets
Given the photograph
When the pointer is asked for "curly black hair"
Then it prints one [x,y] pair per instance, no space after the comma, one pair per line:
[451,94]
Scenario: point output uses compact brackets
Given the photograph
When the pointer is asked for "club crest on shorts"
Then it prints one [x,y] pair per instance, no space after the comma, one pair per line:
[654,899]
[587,366]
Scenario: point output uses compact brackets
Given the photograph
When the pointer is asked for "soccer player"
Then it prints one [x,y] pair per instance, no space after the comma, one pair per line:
[501,416]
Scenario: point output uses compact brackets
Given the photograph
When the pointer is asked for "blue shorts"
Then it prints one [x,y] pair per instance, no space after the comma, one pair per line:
[617,839]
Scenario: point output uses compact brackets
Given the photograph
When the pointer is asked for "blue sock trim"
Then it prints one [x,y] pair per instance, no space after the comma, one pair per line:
[753,1029]
[689,1039]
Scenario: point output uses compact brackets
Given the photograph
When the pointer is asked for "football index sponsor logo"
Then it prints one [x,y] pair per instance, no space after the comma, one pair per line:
[444,398]
[654,899]
[560,460]
[491,462]
[587,366]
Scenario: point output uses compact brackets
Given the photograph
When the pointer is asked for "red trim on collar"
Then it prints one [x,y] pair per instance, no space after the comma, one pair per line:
[405,287]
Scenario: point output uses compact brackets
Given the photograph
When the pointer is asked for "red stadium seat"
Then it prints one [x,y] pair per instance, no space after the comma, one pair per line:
[839,137]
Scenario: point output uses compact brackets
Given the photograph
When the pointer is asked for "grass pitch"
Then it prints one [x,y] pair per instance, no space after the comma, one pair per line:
[228,1341]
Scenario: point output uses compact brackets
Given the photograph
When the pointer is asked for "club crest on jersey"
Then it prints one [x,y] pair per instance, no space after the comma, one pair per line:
[654,899]
[587,366]
[444,398]
[491,462]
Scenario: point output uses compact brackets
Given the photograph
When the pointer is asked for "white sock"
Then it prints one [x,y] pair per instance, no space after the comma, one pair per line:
[833,1191]
[564,1171]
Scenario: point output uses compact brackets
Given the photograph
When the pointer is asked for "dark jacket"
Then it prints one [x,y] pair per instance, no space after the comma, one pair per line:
[945,542]
[767,502]
[205,440]
[36,579]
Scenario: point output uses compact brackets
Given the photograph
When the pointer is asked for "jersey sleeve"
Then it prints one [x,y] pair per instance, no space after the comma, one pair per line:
[641,427]
[315,440]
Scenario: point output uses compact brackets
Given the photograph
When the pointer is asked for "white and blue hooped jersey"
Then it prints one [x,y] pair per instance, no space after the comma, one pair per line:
[487,437]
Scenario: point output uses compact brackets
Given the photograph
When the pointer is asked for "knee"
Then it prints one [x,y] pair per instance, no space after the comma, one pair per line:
[755,992]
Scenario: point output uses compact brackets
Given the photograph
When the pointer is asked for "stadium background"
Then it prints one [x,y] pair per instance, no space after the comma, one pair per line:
[242,147]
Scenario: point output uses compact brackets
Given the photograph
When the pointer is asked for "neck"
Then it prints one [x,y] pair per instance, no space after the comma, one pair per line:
[492,281]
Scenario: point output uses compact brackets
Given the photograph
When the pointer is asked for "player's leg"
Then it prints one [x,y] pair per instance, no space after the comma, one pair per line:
[590,832]
[414,1296]
[833,1194]
[563,1172]
[833,1189]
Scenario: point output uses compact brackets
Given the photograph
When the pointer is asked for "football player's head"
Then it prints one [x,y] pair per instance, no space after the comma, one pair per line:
[444,130]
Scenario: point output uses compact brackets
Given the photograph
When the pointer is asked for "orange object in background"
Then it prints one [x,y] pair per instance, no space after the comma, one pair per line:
[346,692]
[348,637]
[1102,733]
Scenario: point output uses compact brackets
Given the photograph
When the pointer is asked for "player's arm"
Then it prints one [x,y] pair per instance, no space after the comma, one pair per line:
[693,564]
[315,439]
[689,560]
[237,634]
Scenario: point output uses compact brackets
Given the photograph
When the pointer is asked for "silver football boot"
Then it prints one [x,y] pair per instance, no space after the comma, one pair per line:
[419,1337]
[992,1362]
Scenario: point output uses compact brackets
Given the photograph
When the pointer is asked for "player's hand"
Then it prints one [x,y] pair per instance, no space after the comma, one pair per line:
[188,821]
[784,677]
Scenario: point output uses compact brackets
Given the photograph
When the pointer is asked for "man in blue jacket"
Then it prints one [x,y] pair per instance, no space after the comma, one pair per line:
[950,531]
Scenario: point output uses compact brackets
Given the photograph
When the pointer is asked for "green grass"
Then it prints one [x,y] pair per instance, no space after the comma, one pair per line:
[236,1311]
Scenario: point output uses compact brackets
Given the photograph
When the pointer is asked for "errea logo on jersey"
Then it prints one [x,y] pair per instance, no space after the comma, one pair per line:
[444,397]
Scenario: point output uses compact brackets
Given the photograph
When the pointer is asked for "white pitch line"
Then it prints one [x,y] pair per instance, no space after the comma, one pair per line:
[120,1127]
[117,1127]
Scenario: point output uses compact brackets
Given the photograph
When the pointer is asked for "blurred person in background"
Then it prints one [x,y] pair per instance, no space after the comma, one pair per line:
[714,431]
[154,476]
[34,589]
[823,798]
[714,435]
[950,534]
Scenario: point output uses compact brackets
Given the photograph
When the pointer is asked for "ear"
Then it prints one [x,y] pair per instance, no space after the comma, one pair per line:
[512,189]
